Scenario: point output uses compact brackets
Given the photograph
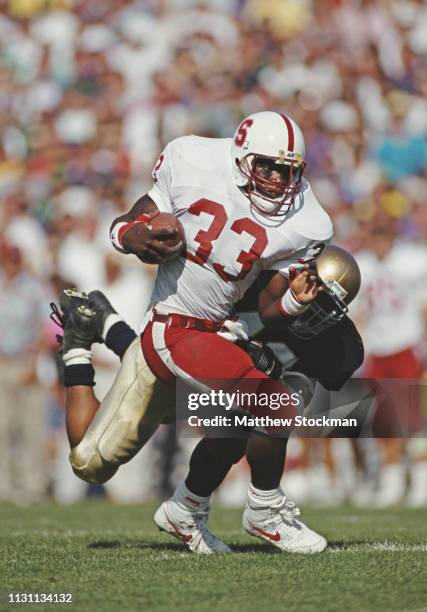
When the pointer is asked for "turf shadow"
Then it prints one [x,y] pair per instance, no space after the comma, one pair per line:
[105,544]
[341,545]
[255,548]
[162,547]
[112,544]
[236,548]
[270,549]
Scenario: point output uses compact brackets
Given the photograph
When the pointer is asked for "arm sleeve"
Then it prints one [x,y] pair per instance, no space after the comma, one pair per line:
[298,259]
[162,174]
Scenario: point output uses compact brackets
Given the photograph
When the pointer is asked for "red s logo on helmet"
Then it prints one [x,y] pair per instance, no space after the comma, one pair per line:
[242,132]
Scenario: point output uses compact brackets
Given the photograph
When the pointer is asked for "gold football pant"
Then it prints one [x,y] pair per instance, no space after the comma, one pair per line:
[126,419]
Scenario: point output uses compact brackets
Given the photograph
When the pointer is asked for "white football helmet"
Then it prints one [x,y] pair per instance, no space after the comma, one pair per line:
[268,157]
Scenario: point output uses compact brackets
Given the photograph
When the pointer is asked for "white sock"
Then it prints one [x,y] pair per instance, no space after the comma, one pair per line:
[77,355]
[258,498]
[109,322]
[188,499]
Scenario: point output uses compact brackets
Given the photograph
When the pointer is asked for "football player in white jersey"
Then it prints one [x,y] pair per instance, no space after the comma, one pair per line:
[245,208]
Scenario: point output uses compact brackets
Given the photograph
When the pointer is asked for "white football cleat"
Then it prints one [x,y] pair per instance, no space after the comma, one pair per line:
[277,525]
[190,527]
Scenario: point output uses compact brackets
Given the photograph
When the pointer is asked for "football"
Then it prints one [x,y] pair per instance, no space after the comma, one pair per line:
[164,221]
[161,225]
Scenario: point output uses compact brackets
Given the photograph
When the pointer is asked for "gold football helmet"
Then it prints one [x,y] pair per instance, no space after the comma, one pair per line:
[340,277]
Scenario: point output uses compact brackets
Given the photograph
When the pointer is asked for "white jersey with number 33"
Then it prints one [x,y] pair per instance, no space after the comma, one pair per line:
[228,243]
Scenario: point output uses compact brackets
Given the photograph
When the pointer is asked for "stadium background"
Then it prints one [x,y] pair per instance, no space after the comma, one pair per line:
[90,92]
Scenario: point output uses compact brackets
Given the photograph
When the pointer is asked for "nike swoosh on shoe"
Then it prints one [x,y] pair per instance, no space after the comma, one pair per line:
[185,538]
[274,537]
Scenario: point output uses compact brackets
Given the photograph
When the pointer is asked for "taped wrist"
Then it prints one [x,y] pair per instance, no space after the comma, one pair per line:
[119,230]
[290,306]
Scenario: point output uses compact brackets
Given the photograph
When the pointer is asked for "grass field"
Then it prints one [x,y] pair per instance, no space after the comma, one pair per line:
[112,558]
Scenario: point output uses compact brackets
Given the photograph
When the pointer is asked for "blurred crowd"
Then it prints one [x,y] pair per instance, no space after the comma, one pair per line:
[91,91]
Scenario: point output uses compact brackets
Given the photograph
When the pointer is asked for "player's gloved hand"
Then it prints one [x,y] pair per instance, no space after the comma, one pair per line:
[263,357]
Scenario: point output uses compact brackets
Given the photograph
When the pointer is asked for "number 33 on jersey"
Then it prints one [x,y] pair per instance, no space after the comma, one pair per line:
[228,241]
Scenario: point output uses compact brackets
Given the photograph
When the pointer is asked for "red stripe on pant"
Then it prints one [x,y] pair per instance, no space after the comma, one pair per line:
[153,360]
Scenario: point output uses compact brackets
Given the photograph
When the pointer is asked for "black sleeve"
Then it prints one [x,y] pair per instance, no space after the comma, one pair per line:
[331,357]
[249,301]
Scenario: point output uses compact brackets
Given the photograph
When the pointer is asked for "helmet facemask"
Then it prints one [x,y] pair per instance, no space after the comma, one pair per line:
[272,182]
[326,311]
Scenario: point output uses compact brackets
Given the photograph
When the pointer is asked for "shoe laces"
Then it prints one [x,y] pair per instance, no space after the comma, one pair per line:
[58,318]
[199,520]
[287,510]
[56,315]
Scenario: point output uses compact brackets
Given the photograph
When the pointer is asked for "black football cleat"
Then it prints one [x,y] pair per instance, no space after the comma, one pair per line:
[77,320]
[99,302]
[80,329]
[70,299]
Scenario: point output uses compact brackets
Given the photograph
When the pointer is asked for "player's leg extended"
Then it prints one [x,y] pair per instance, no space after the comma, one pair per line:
[126,419]
[80,332]
[83,325]
[81,403]
[103,436]
[81,406]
